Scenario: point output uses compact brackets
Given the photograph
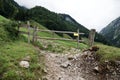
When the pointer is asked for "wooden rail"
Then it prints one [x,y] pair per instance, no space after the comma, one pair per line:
[35,37]
[66,32]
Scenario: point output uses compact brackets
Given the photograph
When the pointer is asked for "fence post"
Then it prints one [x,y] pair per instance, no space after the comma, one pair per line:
[78,38]
[28,25]
[91,37]
[34,34]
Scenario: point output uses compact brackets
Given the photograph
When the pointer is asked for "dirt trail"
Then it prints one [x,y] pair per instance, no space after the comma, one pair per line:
[60,68]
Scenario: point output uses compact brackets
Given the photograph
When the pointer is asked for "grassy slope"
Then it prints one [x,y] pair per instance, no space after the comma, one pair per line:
[2,18]
[12,52]
[108,52]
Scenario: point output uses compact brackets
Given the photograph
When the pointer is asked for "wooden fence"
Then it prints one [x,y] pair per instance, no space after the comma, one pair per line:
[36,30]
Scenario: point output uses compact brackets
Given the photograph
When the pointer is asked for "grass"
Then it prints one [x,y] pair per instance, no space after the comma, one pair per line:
[71,44]
[108,52]
[14,49]
[12,54]
[3,18]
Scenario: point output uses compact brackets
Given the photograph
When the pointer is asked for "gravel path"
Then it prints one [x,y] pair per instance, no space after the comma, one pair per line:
[60,68]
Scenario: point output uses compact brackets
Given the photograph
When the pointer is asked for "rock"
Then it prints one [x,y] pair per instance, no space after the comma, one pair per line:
[117,62]
[82,79]
[96,70]
[114,73]
[24,64]
[106,61]
[44,78]
[70,57]
[27,58]
[108,67]
[65,64]
[45,70]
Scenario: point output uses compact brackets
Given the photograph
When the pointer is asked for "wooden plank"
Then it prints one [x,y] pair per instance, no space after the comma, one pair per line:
[91,37]
[34,34]
[78,39]
[58,31]
[28,25]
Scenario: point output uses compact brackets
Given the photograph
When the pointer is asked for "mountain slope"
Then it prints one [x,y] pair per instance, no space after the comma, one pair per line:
[54,21]
[51,20]
[112,32]
[8,8]
[69,20]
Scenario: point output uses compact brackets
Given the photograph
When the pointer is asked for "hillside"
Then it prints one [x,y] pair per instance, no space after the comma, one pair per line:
[14,49]
[43,16]
[54,21]
[10,9]
[112,32]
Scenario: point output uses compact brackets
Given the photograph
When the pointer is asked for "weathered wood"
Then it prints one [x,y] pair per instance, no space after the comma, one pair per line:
[91,37]
[34,34]
[78,39]
[69,32]
[35,37]
[28,25]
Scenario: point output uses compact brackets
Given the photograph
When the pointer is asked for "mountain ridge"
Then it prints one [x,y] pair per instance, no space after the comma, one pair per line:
[112,32]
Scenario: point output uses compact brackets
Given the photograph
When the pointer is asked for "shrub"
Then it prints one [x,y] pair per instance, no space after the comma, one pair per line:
[10,27]
[8,31]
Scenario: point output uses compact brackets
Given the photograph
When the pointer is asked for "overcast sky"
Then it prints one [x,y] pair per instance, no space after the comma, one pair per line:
[93,14]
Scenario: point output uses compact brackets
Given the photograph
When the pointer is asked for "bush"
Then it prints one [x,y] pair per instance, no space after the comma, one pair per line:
[10,27]
[8,31]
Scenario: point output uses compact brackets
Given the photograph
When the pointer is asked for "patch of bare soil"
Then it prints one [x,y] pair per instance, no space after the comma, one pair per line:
[67,67]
